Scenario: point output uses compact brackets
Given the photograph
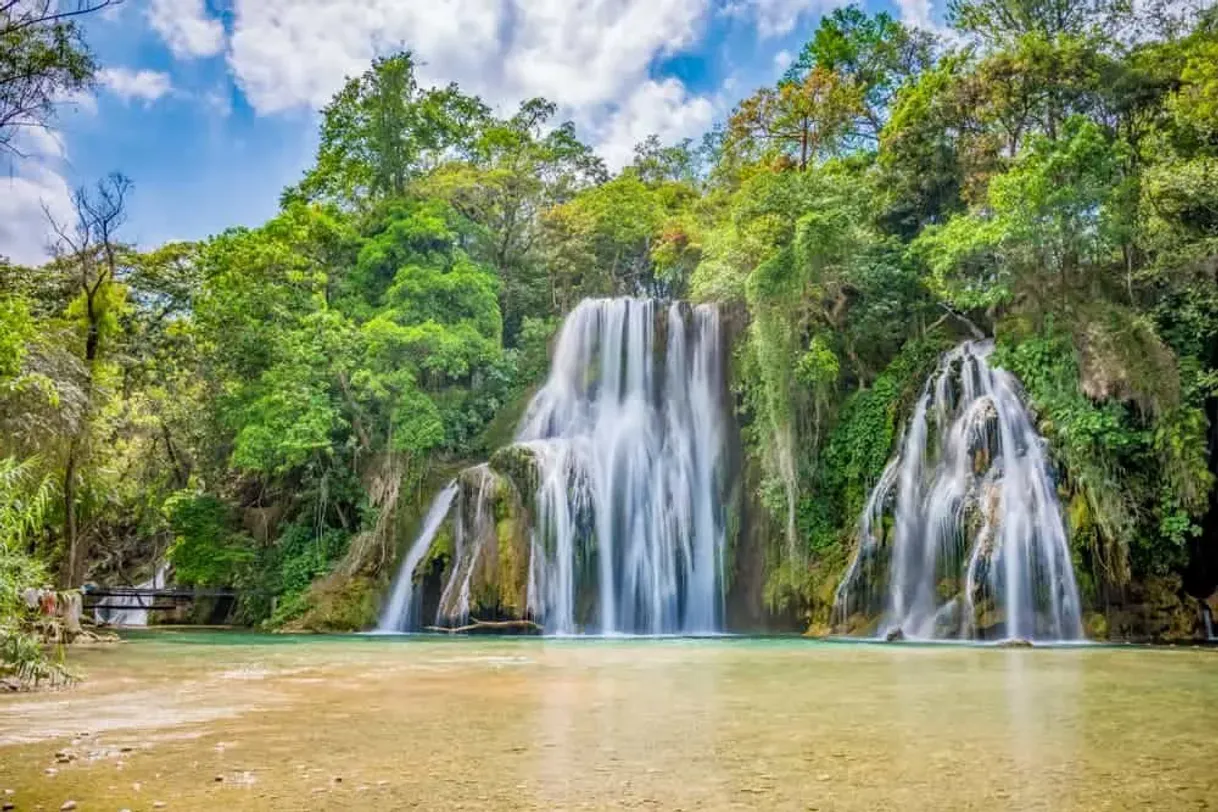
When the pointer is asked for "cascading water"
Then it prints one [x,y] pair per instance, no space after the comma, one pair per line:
[473,527]
[624,452]
[629,466]
[399,612]
[976,546]
[132,610]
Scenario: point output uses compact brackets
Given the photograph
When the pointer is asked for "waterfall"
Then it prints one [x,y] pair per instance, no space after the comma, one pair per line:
[622,457]
[627,438]
[1208,619]
[473,527]
[397,615]
[132,610]
[976,546]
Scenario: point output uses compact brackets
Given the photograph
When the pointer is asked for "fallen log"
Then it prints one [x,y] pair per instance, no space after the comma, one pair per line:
[476,625]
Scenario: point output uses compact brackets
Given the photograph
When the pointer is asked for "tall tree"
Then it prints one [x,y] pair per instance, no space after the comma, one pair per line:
[798,120]
[89,254]
[876,55]
[42,58]
[382,130]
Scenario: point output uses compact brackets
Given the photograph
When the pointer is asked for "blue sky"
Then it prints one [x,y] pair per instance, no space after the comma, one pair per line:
[209,106]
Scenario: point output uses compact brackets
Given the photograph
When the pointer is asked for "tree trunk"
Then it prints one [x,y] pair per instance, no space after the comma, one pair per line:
[803,147]
[73,569]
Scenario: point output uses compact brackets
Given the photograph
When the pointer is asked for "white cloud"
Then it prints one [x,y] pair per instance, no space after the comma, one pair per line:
[916,13]
[82,100]
[593,58]
[35,182]
[186,27]
[783,60]
[663,108]
[775,18]
[147,85]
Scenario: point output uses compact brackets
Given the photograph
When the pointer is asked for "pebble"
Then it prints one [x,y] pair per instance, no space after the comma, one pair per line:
[338,779]
[158,804]
[67,805]
[7,805]
[219,779]
[51,771]
[136,786]
[126,748]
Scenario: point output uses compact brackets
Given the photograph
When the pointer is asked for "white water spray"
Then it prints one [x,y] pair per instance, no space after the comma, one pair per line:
[629,462]
[977,545]
[397,615]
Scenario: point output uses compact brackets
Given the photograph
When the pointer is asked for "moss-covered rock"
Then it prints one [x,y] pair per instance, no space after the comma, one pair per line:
[337,603]
[1095,625]
[519,465]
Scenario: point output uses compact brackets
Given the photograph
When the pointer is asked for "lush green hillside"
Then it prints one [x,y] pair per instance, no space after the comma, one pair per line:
[270,408]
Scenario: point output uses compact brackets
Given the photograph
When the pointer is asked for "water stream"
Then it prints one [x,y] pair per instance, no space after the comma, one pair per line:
[962,537]
[399,614]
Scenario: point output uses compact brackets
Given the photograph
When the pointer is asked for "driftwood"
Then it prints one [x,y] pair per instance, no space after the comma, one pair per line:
[476,625]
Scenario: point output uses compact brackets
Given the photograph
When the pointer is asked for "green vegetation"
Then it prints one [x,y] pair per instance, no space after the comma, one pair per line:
[270,407]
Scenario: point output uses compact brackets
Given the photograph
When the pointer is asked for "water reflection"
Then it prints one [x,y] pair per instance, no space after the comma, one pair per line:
[562,724]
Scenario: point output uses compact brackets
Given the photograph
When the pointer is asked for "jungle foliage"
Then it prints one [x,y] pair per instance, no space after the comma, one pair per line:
[269,407]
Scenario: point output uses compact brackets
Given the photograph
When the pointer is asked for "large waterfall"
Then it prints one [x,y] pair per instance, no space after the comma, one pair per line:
[623,458]
[962,536]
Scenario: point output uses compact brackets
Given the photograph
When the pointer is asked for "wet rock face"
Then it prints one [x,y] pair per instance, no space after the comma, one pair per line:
[1156,609]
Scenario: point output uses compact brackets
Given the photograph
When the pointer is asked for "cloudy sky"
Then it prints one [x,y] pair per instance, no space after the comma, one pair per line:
[210,106]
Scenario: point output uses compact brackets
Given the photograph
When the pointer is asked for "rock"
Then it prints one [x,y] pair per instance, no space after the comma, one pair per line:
[895,636]
[158,804]
[51,771]
[338,779]
[67,805]
[136,786]
[7,805]
[126,748]
[1015,642]
[218,779]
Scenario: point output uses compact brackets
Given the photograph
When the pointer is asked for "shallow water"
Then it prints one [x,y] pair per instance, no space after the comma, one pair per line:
[427,723]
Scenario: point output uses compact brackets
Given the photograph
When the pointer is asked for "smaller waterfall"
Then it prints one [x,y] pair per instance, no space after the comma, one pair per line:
[473,527]
[1207,617]
[976,545]
[132,610]
[397,615]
